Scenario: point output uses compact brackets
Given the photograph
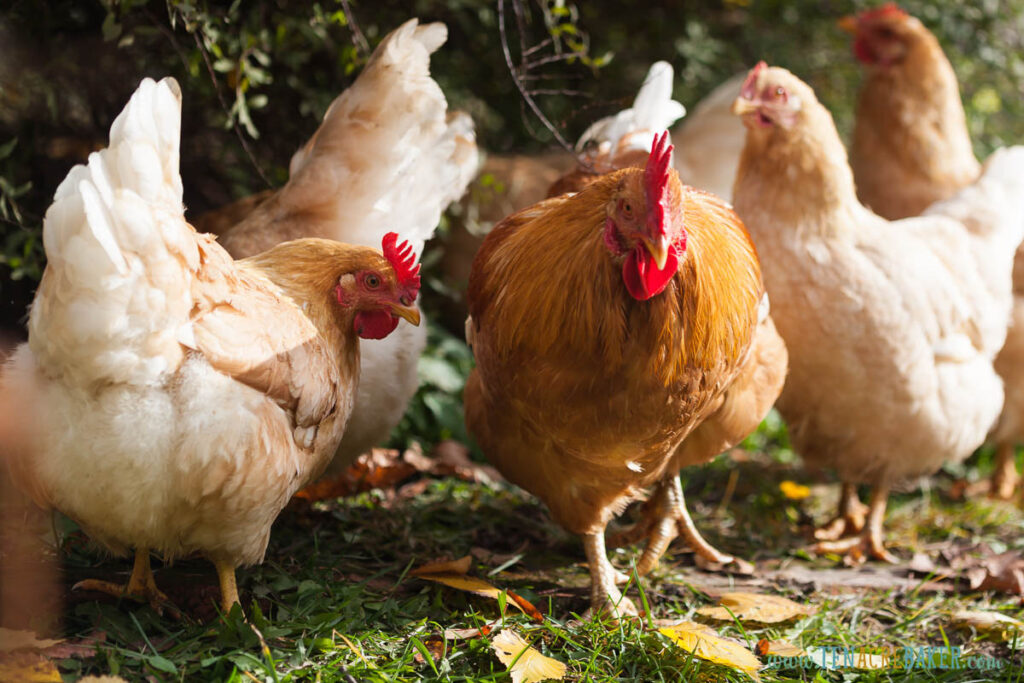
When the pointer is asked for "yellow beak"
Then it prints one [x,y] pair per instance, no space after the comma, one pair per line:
[743,106]
[410,313]
[658,250]
[848,24]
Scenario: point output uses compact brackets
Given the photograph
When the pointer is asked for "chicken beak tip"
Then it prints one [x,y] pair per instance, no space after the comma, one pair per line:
[410,313]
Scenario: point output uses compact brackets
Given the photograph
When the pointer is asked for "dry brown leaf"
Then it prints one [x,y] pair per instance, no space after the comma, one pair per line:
[28,667]
[434,646]
[778,648]
[11,639]
[989,623]
[705,643]
[380,468]
[763,609]
[526,665]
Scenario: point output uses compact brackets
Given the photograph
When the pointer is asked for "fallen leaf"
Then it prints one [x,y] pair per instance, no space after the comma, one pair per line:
[989,623]
[380,468]
[468,633]
[28,667]
[922,564]
[452,458]
[793,490]
[453,573]
[705,643]
[23,640]
[525,664]
[763,609]
[779,648]
[459,566]
[102,679]
[434,645]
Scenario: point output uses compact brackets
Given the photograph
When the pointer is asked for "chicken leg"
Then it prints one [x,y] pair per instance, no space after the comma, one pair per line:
[1004,479]
[850,519]
[228,586]
[141,585]
[869,543]
[605,595]
[664,517]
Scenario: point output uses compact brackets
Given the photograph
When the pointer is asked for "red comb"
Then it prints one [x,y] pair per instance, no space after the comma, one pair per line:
[749,88]
[403,261]
[889,9]
[656,174]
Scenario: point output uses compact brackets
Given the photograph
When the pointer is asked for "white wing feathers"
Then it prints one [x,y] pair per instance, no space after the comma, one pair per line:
[992,210]
[653,111]
[394,156]
[116,292]
[710,141]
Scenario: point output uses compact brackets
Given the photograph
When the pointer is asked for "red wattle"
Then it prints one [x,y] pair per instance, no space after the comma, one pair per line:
[641,275]
[375,324]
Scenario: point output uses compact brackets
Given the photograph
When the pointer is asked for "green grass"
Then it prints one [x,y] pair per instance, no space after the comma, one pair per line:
[334,600]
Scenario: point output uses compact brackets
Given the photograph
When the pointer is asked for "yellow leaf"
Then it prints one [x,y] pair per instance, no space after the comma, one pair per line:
[28,667]
[989,623]
[763,609]
[459,566]
[793,490]
[23,640]
[526,664]
[706,644]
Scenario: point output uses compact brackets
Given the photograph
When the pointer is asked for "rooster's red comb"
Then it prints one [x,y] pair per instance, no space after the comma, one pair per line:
[402,260]
[889,9]
[656,174]
[749,88]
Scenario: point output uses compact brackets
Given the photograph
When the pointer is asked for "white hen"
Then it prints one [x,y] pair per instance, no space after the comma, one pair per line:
[387,157]
[179,398]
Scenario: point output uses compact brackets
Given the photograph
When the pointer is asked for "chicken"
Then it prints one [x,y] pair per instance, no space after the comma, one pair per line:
[910,143]
[619,141]
[892,327]
[386,157]
[179,397]
[605,325]
[911,148]
[710,140]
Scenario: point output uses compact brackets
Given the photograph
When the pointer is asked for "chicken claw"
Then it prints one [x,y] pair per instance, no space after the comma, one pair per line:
[141,586]
[850,519]
[665,517]
[605,595]
[868,544]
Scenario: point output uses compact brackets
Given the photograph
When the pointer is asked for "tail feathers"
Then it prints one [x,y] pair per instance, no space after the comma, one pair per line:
[116,286]
[653,111]
[710,141]
[388,154]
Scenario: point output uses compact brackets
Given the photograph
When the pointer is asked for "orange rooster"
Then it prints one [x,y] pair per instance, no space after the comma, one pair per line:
[617,142]
[605,325]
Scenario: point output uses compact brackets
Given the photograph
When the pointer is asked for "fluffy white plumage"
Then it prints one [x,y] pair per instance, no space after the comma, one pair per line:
[634,128]
[709,141]
[387,157]
[148,347]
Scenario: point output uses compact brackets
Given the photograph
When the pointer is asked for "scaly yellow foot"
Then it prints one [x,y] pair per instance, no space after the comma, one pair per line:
[849,521]
[141,586]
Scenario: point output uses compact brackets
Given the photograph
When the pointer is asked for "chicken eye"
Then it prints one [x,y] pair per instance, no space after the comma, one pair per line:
[626,208]
[371,281]
[780,92]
